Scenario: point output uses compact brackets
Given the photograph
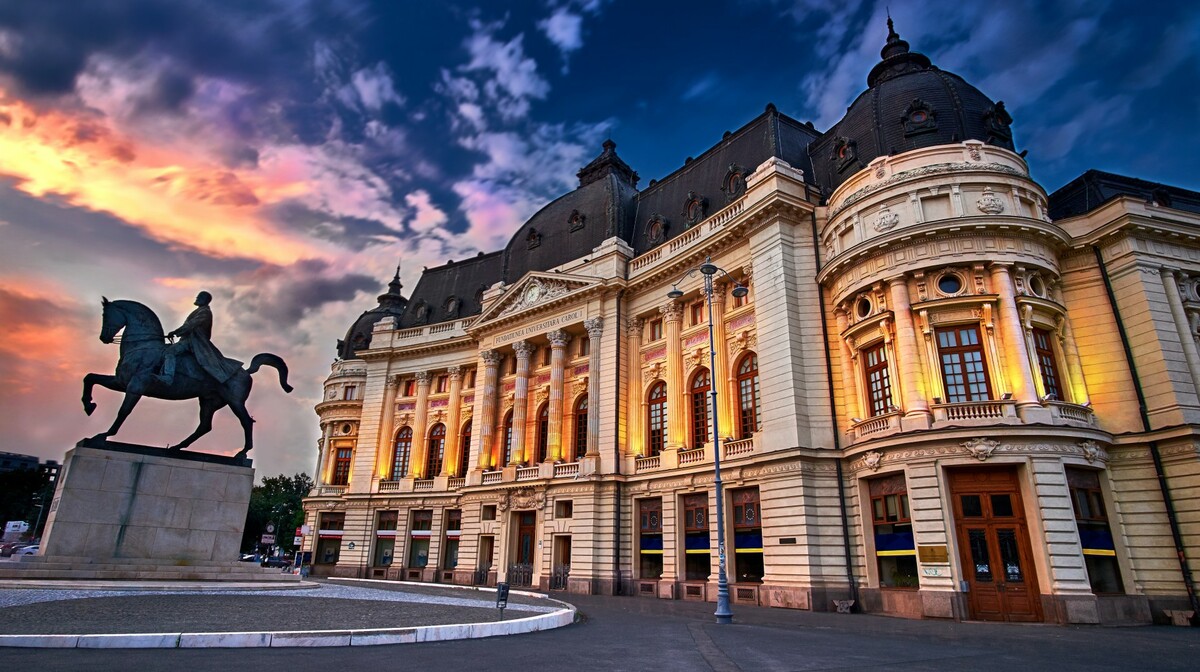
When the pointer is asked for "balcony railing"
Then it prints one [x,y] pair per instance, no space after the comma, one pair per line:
[648,463]
[879,423]
[389,486]
[528,473]
[568,470]
[738,448]
[975,410]
[456,482]
[423,485]
[492,477]
[1073,412]
[330,490]
[694,456]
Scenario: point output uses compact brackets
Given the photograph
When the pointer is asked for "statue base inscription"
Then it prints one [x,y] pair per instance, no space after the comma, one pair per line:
[117,502]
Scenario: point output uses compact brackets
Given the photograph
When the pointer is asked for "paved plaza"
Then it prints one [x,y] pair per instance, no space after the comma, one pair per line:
[612,633]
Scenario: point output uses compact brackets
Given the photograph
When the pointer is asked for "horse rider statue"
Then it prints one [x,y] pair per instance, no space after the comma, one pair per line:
[195,336]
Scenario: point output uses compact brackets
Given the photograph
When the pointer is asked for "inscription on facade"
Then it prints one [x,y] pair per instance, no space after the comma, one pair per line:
[538,328]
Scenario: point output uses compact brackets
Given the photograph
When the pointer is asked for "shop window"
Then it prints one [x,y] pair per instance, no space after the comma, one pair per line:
[543,434]
[464,448]
[749,397]
[879,387]
[656,419]
[349,392]
[964,369]
[563,508]
[508,438]
[581,427]
[329,537]
[895,548]
[701,385]
[385,538]
[1091,517]
[401,453]
[421,528]
[341,465]
[697,555]
[437,451]
[654,330]
[1047,364]
[650,538]
[747,536]
[453,532]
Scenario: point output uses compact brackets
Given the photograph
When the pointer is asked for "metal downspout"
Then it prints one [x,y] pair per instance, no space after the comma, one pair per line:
[1172,519]
[617,587]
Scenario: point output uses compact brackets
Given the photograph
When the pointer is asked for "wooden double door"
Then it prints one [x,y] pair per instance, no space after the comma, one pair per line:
[993,543]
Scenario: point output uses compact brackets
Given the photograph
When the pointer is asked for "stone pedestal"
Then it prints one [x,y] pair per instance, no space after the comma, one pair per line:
[118,501]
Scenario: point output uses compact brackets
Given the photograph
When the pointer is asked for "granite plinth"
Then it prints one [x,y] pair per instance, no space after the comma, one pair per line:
[124,502]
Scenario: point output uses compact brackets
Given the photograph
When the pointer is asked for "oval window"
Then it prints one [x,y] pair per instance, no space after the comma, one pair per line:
[950,284]
[1037,286]
[863,307]
[346,428]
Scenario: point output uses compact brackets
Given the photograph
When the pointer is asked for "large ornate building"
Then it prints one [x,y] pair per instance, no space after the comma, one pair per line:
[946,395]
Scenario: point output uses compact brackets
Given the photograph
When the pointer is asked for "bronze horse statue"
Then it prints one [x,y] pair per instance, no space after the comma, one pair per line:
[142,345]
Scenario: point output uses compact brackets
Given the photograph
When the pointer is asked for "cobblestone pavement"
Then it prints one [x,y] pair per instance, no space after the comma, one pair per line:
[332,606]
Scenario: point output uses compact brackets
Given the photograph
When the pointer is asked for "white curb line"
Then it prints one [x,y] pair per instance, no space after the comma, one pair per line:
[309,638]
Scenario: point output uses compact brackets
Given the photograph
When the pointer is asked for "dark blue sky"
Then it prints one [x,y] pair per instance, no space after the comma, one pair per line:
[284,154]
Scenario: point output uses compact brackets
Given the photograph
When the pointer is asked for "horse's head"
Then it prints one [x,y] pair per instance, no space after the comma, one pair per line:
[113,321]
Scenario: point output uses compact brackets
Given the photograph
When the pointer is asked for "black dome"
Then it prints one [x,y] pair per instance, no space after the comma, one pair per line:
[910,104]
[358,337]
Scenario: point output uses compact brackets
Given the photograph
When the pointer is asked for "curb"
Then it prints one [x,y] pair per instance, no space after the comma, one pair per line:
[307,638]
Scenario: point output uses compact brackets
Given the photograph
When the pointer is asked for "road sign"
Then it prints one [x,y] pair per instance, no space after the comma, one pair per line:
[270,528]
[501,597]
[268,538]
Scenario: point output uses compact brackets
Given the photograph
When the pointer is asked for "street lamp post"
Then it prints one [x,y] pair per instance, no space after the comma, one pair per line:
[708,269]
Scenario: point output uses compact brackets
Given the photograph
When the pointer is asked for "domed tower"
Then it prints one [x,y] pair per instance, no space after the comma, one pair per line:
[391,304]
[954,346]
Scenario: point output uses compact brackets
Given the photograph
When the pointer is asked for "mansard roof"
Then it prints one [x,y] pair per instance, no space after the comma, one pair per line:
[452,291]
[1095,188]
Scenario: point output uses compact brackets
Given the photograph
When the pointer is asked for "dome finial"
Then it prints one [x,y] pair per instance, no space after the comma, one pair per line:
[395,285]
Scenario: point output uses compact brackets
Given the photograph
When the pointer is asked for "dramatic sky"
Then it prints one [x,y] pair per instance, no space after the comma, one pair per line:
[286,154]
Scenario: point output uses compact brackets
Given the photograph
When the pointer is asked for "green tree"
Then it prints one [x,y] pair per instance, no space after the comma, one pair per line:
[278,501]
[20,494]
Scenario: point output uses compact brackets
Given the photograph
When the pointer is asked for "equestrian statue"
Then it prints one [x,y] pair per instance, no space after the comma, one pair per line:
[191,368]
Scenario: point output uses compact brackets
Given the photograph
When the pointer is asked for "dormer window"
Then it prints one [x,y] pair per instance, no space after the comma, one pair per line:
[656,229]
[845,153]
[734,184]
[534,239]
[919,118]
[576,220]
[693,209]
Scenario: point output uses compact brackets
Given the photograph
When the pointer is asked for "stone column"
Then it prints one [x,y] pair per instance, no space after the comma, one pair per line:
[558,345]
[1066,339]
[676,396]
[722,378]
[635,436]
[850,384]
[322,444]
[912,388]
[595,329]
[1182,325]
[452,453]
[383,449]
[524,350]
[416,466]
[1016,353]
[485,405]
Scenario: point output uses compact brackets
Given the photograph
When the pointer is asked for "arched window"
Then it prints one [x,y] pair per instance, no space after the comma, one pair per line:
[464,449]
[701,385]
[581,422]
[748,396]
[437,451]
[403,450]
[508,440]
[543,432]
[656,419]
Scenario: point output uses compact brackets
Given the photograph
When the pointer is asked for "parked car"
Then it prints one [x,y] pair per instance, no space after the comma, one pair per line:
[8,548]
[277,561]
[250,557]
[29,550]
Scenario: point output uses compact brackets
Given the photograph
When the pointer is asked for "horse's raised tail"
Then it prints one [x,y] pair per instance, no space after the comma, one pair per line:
[273,361]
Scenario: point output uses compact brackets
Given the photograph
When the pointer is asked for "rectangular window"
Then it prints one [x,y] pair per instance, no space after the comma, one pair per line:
[697,555]
[488,513]
[696,313]
[747,536]
[964,369]
[546,351]
[441,384]
[341,466]
[422,520]
[585,346]
[385,538]
[1091,517]
[879,387]
[418,552]
[650,543]
[895,548]
[655,330]
[410,388]
[349,392]
[512,365]
[329,542]
[470,379]
[453,532]
[739,301]
[564,508]
[1047,364]
[387,521]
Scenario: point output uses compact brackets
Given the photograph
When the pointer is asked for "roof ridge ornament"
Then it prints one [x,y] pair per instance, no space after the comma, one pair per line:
[897,59]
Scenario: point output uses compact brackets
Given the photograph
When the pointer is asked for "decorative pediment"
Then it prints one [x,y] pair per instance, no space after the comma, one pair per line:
[534,290]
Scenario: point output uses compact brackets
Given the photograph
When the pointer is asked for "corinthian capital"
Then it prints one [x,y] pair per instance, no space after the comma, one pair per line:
[559,338]
[523,349]
[491,357]
[455,372]
[423,377]
[672,311]
[595,327]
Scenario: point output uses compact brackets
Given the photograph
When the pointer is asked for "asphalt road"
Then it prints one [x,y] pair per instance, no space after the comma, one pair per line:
[622,633]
